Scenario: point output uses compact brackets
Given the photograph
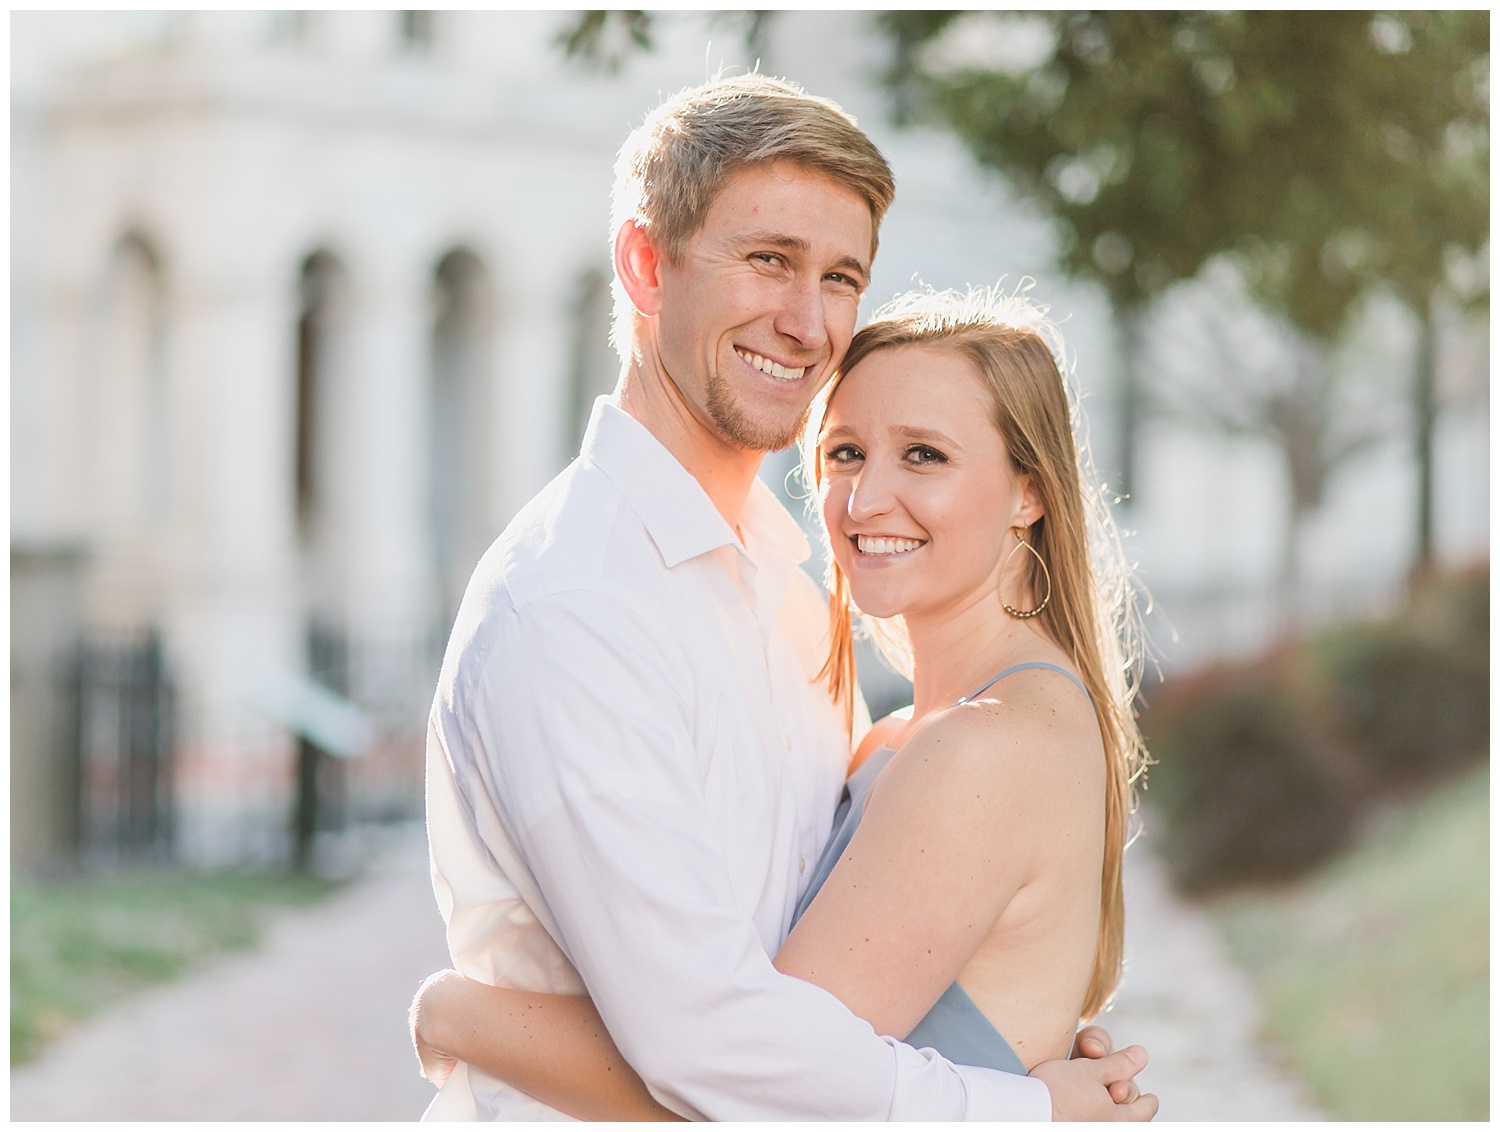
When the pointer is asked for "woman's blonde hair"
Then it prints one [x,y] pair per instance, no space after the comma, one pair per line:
[1092,614]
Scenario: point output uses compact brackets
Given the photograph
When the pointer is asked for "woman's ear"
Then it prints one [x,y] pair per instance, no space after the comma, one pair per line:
[638,268]
[1029,508]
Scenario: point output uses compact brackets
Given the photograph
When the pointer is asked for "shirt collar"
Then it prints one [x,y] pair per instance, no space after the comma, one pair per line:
[676,511]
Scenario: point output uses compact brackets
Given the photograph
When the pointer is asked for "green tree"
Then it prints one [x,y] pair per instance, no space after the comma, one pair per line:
[1327,153]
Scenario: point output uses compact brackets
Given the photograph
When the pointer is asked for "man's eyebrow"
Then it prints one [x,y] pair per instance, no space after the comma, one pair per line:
[851,263]
[792,243]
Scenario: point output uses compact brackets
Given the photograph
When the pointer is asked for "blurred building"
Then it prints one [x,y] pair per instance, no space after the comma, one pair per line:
[306,304]
[299,304]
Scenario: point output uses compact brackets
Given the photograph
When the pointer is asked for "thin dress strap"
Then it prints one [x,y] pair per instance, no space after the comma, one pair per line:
[1017,668]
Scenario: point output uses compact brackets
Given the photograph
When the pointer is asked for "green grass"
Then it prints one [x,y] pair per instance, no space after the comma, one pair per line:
[1374,972]
[78,946]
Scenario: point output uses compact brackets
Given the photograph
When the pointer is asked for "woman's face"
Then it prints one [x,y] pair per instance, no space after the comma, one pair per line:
[919,496]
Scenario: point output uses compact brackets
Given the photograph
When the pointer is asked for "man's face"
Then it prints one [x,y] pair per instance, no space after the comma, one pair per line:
[760,307]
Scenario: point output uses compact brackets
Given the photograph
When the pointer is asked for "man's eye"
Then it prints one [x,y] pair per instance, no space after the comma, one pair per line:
[768,257]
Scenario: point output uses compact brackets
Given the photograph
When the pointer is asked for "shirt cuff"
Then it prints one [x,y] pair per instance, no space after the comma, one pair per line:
[1005,1096]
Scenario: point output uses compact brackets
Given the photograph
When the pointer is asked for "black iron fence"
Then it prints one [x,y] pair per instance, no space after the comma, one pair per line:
[124,731]
[321,804]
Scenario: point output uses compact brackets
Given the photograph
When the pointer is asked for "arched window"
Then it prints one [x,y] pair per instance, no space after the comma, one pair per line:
[459,470]
[321,317]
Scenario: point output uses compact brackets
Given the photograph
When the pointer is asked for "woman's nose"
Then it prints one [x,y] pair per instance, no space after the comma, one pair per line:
[869,496]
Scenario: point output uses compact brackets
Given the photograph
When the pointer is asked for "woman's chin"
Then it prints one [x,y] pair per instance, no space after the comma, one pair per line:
[876,608]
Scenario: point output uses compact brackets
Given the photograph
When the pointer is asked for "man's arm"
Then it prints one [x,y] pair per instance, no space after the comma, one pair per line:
[555,1048]
[586,752]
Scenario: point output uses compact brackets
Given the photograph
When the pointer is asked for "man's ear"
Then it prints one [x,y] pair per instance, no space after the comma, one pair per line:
[638,268]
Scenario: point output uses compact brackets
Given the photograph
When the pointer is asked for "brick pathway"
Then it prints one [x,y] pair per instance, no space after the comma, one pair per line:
[312,1026]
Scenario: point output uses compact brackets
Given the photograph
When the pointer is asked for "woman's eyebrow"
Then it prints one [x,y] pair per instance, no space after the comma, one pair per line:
[909,433]
[926,435]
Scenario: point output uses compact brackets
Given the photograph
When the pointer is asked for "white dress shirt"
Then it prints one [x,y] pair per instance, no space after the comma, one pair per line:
[630,772]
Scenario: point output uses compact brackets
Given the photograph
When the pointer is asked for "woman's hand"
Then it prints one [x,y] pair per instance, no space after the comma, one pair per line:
[425,1018]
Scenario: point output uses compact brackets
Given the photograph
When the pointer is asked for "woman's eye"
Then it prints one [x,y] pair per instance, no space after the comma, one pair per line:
[923,454]
[843,454]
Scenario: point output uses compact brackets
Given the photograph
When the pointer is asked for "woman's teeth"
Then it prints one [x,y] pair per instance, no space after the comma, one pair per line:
[770,368]
[887,545]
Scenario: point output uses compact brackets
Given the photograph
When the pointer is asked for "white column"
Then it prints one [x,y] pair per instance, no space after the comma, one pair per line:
[534,352]
[235,615]
[390,587]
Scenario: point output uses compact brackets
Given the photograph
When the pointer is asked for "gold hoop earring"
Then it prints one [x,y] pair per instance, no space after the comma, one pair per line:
[1023,614]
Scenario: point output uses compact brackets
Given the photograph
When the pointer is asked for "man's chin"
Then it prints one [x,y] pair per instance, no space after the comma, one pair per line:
[744,431]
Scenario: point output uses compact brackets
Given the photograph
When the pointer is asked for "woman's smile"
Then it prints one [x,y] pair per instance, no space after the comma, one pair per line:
[886,547]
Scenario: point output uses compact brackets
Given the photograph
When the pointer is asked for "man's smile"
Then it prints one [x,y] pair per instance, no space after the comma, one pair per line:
[770,368]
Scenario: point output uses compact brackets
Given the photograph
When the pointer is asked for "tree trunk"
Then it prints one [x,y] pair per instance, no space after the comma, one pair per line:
[1289,598]
[1300,421]
[1424,400]
[1128,421]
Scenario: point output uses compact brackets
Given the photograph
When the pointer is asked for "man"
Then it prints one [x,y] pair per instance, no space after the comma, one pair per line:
[630,763]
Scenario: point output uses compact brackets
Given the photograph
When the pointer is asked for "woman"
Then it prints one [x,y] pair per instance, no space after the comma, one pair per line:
[970,896]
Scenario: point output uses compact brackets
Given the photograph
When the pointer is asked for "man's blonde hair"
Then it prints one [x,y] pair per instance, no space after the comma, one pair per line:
[674,165]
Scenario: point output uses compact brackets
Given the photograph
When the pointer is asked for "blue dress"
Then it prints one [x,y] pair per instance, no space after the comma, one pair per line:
[955,1026]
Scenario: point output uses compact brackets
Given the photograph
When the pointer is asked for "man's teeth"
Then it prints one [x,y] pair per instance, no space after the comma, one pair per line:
[774,369]
[887,545]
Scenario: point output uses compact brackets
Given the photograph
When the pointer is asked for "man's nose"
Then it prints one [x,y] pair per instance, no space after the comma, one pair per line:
[803,315]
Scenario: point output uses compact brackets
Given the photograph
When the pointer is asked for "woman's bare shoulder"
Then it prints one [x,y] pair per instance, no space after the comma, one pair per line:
[1021,732]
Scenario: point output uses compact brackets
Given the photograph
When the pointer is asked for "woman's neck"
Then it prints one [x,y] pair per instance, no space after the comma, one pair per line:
[952,653]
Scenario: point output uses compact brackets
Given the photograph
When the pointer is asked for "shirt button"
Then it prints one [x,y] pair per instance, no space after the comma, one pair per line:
[788,742]
[801,863]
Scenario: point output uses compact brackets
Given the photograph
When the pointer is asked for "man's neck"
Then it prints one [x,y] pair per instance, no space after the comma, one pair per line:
[724,470]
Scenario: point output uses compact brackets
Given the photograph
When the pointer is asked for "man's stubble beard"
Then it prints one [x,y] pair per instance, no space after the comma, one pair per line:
[736,424]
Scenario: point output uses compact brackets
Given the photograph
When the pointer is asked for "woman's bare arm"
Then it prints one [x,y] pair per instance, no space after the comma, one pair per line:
[981,802]
[553,1047]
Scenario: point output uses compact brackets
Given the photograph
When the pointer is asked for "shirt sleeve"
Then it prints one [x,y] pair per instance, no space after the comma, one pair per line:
[591,764]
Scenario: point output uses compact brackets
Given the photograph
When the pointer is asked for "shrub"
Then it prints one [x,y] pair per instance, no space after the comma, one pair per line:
[1262,768]
[1242,787]
[1408,708]
[1409,697]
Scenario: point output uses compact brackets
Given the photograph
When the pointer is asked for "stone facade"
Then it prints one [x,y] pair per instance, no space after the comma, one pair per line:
[305,305]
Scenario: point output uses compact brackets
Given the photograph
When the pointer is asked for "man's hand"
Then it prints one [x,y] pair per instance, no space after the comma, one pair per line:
[1088,1087]
[436,1065]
